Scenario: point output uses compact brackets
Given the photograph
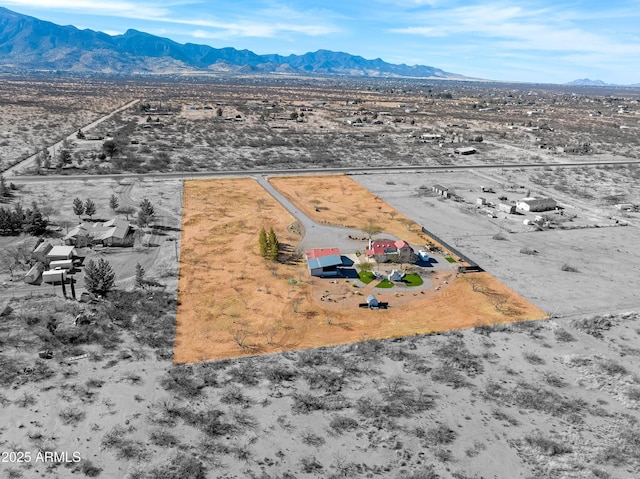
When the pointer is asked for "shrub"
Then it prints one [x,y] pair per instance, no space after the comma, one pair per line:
[454,353]
[563,336]
[549,447]
[180,466]
[340,424]
[424,473]
[310,464]
[89,469]
[593,326]
[437,436]
[163,438]
[610,367]
[533,358]
[179,381]
[569,268]
[554,380]
[311,439]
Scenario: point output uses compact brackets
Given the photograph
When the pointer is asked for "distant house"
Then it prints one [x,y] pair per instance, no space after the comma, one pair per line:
[40,253]
[536,204]
[441,190]
[59,253]
[323,262]
[115,232]
[507,208]
[383,251]
[467,150]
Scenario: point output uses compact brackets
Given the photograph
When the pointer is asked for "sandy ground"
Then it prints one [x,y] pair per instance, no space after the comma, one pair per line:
[233,303]
[598,247]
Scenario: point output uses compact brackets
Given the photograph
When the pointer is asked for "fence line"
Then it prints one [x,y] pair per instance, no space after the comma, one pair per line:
[473,266]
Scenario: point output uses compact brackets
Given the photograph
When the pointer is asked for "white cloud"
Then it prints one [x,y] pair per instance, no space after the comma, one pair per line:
[99,7]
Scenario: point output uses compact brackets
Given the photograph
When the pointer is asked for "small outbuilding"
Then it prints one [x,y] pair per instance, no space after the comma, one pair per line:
[323,262]
[372,301]
[507,208]
[441,190]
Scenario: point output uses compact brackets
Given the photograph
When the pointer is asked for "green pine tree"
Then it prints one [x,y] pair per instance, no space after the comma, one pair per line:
[263,242]
[274,245]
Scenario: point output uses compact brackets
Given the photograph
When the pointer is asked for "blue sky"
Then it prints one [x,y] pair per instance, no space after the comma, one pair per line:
[532,41]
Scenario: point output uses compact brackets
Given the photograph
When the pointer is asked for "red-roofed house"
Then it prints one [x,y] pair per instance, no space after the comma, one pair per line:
[383,251]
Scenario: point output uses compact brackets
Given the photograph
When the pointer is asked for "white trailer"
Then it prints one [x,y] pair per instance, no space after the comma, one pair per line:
[61,264]
[54,276]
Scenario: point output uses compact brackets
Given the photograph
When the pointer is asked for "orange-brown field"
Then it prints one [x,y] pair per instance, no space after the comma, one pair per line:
[234,303]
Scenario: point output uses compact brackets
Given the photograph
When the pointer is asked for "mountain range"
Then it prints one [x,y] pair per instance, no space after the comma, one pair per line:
[27,43]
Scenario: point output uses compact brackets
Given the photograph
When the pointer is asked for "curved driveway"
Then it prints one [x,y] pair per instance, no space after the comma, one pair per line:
[316,235]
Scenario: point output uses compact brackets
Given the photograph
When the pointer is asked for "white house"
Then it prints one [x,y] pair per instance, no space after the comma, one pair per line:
[536,204]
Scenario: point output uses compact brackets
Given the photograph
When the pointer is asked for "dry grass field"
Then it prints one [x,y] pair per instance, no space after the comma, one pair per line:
[233,303]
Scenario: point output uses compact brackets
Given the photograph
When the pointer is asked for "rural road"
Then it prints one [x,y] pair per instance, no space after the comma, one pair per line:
[28,162]
[186,175]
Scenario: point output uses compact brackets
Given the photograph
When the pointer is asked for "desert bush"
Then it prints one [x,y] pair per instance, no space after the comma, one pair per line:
[71,415]
[279,373]
[569,268]
[436,436]
[89,469]
[554,380]
[547,446]
[234,395]
[450,377]
[424,473]
[310,464]
[180,466]
[563,336]
[502,416]
[125,448]
[593,326]
[304,403]
[179,380]
[454,353]
[209,422]
[245,373]
[163,438]
[26,400]
[311,439]
[443,455]
[610,367]
[341,424]
[323,378]
[633,393]
[244,421]
[533,358]
[500,236]
[475,449]
[529,396]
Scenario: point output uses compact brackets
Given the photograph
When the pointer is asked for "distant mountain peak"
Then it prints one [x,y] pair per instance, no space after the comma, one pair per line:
[39,45]
[587,82]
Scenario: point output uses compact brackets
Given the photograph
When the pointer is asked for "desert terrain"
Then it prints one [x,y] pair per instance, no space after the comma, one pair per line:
[550,398]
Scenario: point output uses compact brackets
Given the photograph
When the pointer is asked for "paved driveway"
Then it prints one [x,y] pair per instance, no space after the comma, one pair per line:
[316,235]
